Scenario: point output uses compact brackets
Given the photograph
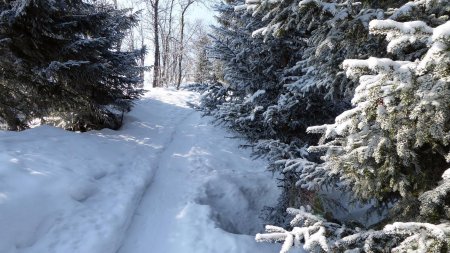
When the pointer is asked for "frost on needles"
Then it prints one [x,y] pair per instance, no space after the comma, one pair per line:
[397,133]
[370,82]
[392,146]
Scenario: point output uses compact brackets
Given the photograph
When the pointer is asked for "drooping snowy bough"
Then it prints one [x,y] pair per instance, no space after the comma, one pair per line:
[401,113]
[315,234]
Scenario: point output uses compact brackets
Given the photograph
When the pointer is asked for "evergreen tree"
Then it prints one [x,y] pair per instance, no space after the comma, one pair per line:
[393,146]
[250,71]
[61,60]
[203,66]
[282,65]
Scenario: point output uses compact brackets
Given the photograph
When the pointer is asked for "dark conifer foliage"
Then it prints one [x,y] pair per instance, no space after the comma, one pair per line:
[257,72]
[371,77]
[61,63]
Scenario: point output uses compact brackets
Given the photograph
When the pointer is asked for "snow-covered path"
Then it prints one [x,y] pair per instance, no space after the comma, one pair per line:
[168,182]
[204,194]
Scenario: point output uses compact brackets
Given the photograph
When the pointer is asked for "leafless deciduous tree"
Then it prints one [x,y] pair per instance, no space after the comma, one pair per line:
[184,4]
[166,28]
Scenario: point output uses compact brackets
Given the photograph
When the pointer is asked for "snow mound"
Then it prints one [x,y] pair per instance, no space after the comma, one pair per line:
[243,192]
[66,192]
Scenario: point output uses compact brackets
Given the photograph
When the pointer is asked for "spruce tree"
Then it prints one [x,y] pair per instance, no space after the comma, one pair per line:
[203,67]
[394,144]
[392,149]
[61,61]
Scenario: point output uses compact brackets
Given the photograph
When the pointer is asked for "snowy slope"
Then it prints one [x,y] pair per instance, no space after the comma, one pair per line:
[167,182]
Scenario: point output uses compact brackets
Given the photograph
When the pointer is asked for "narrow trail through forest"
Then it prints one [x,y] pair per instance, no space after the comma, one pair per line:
[168,181]
[205,190]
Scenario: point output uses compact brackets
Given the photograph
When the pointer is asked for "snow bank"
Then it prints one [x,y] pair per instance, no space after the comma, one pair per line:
[76,192]
[65,192]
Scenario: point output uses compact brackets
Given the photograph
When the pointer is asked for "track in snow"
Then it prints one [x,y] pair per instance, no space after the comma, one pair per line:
[166,182]
[206,193]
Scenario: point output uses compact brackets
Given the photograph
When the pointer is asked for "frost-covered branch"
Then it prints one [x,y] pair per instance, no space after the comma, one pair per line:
[313,233]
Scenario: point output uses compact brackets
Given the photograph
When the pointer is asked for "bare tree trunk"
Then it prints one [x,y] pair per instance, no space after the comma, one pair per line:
[181,52]
[166,46]
[174,63]
[180,57]
[156,66]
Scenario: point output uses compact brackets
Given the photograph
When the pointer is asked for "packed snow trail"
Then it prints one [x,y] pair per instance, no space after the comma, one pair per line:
[206,195]
[167,182]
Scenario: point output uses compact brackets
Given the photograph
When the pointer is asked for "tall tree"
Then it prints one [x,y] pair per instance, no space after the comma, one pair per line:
[156,65]
[393,145]
[61,59]
[167,41]
[184,4]
[390,151]
[202,64]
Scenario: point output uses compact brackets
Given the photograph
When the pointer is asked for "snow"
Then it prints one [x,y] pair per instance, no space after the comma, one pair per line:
[412,27]
[240,7]
[442,32]
[260,31]
[446,175]
[255,95]
[328,7]
[312,234]
[168,181]
[400,34]
[404,10]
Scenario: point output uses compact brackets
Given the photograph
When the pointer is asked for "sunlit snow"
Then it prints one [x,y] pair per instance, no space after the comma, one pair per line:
[168,181]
